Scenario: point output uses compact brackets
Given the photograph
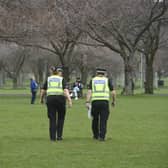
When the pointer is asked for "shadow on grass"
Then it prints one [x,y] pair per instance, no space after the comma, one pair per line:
[20,139]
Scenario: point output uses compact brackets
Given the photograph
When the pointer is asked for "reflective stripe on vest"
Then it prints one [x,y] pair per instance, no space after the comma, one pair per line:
[100,89]
[54,85]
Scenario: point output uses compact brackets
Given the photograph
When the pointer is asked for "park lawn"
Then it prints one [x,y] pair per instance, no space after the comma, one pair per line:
[137,135]
[20,91]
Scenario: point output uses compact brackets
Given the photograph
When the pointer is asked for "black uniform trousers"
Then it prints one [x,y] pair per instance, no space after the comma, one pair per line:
[56,114]
[100,113]
[33,96]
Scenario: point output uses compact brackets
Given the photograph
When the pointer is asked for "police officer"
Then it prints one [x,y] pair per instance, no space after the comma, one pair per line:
[99,95]
[55,89]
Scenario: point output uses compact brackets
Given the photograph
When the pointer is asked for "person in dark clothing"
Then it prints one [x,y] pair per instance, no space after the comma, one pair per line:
[33,88]
[80,86]
[75,91]
[99,95]
[56,91]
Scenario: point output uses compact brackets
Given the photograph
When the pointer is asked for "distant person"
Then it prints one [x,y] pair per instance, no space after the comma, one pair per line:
[80,86]
[98,98]
[56,91]
[75,90]
[33,88]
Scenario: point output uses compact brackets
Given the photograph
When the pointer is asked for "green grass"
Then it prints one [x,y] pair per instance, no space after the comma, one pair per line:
[15,91]
[137,135]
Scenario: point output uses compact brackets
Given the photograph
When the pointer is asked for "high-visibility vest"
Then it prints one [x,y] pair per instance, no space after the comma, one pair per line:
[54,85]
[100,88]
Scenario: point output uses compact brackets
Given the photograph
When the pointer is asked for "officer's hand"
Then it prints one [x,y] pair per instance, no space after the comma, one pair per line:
[87,105]
[41,101]
[113,104]
[69,103]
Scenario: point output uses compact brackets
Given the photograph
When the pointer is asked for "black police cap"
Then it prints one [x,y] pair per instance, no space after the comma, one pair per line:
[101,70]
[56,69]
[59,69]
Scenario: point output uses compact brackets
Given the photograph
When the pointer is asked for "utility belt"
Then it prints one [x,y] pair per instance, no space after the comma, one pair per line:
[55,94]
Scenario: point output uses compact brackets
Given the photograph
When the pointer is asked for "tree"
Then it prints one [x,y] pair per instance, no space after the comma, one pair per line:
[120,26]
[57,26]
[39,63]
[49,28]
[152,40]
[14,66]
[150,47]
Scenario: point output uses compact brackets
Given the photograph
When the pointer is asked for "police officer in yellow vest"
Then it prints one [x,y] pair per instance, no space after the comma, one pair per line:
[99,95]
[55,89]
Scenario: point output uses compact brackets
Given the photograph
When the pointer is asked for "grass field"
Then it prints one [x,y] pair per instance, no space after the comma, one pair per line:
[137,135]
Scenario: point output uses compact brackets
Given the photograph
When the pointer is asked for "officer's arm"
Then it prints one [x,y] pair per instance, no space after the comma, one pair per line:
[42,94]
[89,93]
[67,95]
[113,94]
[88,96]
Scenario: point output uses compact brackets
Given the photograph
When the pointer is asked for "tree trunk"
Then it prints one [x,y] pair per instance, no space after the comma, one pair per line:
[39,76]
[66,73]
[20,80]
[128,84]
[83,68]
[42,71]
[15,83]
[128,74]
[2,78]
[84,75]
[149,79]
